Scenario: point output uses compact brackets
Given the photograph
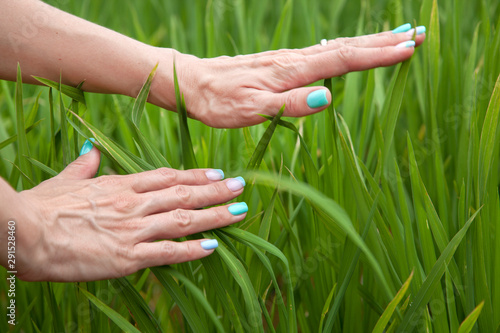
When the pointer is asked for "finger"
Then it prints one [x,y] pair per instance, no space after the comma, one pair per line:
[298,102]
[381,39]
[180,223]
[165,177]
[169,252]
[349,59]
[303,101]
[306,70]
[193,197]
[85,166]
[387,38]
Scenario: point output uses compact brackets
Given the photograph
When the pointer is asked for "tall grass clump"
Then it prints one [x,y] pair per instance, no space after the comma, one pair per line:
[380,214]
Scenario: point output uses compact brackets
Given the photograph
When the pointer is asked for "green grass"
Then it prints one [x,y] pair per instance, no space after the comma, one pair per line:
[380,214]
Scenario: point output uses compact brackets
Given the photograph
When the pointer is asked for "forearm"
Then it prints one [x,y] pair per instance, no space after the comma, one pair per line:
[48,42]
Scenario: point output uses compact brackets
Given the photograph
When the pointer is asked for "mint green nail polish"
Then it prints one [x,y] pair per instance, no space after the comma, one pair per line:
[215,174]
[87,146]
[406,44]
[317,99]
[238,208]
[209,244]
[420,30]
[403,28]
[241,180]
[221,173]
[235,184]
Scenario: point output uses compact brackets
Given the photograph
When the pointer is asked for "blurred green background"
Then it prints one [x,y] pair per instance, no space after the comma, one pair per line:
[398,178]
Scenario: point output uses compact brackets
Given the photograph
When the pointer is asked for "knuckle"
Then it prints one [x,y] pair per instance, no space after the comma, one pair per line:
[218,217]
[126,261]
[191,252]
[345,55]
[106,181]
[348,41]
[199,177]
[182,218]
[286,61]
[168,249]
[290,101]
[217,190]
[183,193]
[125,203]
[167,174]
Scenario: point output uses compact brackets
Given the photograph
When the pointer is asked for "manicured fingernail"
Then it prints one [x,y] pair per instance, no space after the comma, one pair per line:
[409,43]
[215,174]
[420,30]
[238,208]
[87,146]
[402,28]
[235,184]
[209,244]
[317,99]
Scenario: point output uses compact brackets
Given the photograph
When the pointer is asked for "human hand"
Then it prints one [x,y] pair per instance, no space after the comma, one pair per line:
[77,228]
[230,92]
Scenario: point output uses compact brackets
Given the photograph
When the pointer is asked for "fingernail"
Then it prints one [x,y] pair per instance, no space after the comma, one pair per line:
[317,99]
[87,146]
[215,174]
[409,43]
[420,30]
[238,208]
[235,184]
[209,244]
[402,28]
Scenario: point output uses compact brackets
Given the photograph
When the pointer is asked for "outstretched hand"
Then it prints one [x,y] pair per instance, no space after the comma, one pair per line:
[77,228]
[230,92]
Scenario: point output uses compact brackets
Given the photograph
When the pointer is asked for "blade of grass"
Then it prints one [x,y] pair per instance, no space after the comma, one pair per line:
[57,320]
[259,151]
[389,310]
[197,293]
[188,157]
[267,265]
[351,256]
[471,319]
[140,311]
[72,92]
[22,141]
[330,207]
[65,143]
[188,311]
[142,98]
[121,322]
[311,170]
[433,278]
[13,138]
[110,148]
[489,138]
[51,172]
[249,238]
[253,310]
[393,108]
[151,152]
[228,299]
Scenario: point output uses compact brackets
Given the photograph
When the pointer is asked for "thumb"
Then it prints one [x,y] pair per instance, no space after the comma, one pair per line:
[302,101]
[85,166]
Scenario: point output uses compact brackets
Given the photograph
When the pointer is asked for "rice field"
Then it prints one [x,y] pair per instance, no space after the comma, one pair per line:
[380,214]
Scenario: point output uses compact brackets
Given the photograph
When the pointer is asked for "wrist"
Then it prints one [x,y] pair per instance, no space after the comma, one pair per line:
[162,91]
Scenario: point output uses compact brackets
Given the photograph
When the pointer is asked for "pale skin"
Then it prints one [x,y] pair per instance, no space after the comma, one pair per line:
[74,227]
